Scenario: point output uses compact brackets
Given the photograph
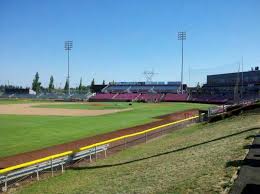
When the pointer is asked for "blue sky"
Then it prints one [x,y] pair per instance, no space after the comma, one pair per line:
[120,39]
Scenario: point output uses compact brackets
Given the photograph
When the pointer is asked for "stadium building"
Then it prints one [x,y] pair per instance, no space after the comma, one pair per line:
[230,87]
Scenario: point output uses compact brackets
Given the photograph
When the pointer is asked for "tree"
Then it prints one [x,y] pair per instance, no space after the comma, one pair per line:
[51,84]
[66,87]
[92,85]
[36,85]
[104,83]
[93,82]
[80,85]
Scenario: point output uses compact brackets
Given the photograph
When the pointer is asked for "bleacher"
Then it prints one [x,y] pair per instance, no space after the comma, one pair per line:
[140,91]
[230,87]
[46,96]
[115,89]
[24,96]
[175,97]
[150,97]
[126,96]
[141,88]
[103,96]
[166,88]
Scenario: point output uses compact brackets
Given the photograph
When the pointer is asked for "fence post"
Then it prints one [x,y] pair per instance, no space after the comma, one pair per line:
[95,153]
[37,173]
[105,153]
[62,168]
[124,143]
[5,187]
[90,158]
[52,167]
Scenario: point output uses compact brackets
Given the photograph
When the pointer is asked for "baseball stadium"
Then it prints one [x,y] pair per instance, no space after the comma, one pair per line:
[138,130]
[125,136]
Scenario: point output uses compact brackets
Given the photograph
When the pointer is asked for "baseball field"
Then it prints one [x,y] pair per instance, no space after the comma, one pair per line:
[202,158]
[27,125]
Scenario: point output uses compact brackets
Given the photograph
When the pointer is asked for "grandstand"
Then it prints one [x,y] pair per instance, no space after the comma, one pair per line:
[175,97]
[229,88]
[141,91]
[18,93]
[219,89]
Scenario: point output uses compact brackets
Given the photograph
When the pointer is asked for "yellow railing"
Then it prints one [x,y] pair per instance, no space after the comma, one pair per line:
[135,134]
[8,169]
[34,162]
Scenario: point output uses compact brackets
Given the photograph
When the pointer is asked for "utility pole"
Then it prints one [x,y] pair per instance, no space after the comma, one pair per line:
[68,47]
[182,36]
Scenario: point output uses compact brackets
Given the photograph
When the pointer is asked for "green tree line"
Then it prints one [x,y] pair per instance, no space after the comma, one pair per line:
[37,86]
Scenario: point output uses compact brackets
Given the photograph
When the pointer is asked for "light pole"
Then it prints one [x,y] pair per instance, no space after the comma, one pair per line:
[68,47]
[182,36]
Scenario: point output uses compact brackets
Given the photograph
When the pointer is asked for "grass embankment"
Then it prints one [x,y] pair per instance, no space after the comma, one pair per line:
[191,160]
[25,133]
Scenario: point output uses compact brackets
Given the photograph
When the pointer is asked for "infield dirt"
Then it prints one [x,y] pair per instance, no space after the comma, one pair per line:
[31,109]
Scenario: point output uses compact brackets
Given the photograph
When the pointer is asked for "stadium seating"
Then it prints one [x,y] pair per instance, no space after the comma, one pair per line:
[165,89]
[126,96]
[102,96]
[150,97]
[139,89]
[116,89]
[175,97]
[210,99]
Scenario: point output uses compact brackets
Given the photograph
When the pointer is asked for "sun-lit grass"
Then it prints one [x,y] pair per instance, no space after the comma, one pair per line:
[88,106]
[191,160]
[25,133]
[21,101]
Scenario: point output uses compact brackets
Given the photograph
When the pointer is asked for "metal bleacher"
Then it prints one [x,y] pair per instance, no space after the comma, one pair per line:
[45,96]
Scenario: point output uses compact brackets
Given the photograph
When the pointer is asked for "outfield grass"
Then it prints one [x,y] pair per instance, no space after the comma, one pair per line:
[22,101]
[191,160]
[25,133]
[88,106]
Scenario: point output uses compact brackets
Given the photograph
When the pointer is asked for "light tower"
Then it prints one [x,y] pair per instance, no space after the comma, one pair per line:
[68,47]
[182,37]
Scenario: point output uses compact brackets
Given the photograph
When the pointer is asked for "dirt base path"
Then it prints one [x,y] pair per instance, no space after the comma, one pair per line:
[29,156]
[27,109]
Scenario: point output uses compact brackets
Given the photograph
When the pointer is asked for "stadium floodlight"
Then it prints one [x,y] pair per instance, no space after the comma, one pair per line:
[68,47]
[182,37]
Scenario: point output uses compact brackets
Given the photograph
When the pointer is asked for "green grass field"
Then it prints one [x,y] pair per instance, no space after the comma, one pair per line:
[20,101]
[88,106]
[191,160]
[26,133]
